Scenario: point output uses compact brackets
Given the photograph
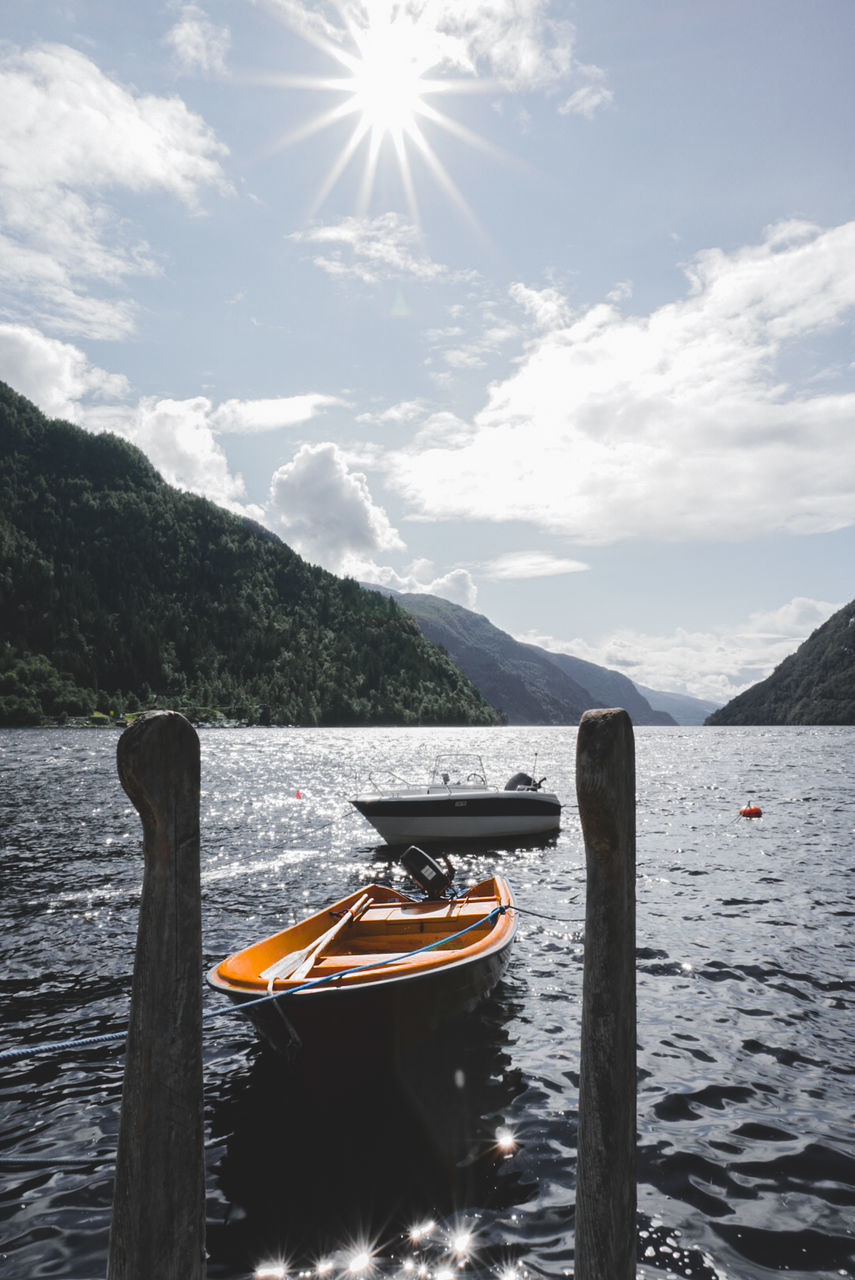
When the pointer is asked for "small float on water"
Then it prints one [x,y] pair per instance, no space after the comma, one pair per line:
[456,803]
[377,970]
[751,810]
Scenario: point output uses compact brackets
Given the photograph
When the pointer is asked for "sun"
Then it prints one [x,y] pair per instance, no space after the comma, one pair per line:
[387,80]
[389,59]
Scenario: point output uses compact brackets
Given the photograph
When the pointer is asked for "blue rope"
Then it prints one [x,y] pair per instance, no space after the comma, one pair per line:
[59,1046]
[372,964]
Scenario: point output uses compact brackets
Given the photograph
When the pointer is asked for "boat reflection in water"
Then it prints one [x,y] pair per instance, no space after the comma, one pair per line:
[355,1163]
[386,1112]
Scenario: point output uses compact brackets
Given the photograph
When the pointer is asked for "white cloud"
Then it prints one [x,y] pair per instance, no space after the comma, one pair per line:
[325,511]
[401,414]
[55,375]
[530,564]
[520,43]
[481,339]
[716,665]
[420,579]
[442,429]
[178,439]
[547,307]
[198,43]
[591,94]
[70,136]
[371,249]
[250,417]
[675,425]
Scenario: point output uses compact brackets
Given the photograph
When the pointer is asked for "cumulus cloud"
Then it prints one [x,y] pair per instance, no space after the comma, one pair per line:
[325,511]
[55,375]
[716,664]
[197,43]
[681,424]
[178,439]
[71,135]
[420,578]
[371,249]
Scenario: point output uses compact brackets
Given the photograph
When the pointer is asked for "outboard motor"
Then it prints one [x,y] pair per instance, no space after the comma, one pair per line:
[426,872]
[522,782]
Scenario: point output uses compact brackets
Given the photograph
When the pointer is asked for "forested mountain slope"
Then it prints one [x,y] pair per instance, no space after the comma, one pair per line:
[814,685]
[118,591]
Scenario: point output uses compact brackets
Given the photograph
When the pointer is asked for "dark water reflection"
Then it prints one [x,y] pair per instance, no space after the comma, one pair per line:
[746,988]
[368,1155]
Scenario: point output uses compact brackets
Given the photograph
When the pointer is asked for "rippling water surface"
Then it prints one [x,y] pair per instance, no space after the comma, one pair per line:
[465,1161]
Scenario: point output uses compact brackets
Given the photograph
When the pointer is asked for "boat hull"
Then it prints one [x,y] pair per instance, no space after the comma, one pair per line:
[410,819]
[378,1021]
[365,1011]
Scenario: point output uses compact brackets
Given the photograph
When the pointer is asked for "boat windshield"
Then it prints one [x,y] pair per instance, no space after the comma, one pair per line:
[458,771]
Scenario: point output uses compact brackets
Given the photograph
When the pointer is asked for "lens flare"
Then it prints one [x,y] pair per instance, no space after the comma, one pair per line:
[460,1244]
[419,1232]
[391,62]
[506,1143]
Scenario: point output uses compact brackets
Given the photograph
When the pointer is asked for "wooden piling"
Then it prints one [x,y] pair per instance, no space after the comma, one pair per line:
[605,1247]
[158,1227]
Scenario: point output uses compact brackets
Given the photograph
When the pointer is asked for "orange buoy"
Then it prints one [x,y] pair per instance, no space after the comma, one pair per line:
[751,811]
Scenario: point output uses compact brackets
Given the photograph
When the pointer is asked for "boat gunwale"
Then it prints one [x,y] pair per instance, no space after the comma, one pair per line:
[497,939]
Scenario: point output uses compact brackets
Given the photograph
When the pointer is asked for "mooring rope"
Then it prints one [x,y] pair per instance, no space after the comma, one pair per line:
[59,1046]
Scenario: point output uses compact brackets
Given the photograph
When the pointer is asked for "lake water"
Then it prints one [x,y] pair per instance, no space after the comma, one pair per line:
[466,1165]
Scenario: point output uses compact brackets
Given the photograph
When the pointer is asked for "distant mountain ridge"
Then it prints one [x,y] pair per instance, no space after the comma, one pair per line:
[529,685]
[684,709]
[814,685]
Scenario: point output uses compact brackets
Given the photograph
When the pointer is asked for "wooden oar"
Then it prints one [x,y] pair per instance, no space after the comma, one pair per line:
[298,963]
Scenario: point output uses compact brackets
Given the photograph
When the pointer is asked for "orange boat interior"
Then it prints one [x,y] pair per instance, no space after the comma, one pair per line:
[375,925]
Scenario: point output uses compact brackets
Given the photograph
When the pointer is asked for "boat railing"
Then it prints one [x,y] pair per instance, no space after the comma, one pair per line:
[386,781]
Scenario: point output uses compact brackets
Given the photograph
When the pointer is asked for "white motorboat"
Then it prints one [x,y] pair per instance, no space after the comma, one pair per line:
[457,804]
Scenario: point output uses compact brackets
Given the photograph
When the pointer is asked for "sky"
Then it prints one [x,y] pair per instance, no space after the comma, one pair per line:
[544,308]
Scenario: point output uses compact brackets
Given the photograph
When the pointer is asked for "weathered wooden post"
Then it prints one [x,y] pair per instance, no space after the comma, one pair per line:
[158,1227]
[605,1246]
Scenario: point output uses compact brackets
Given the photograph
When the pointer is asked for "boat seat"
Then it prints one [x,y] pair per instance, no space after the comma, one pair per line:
[353,960]
[453,923]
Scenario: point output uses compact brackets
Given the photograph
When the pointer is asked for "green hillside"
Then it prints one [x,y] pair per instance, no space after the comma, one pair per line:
[814,685]
[118,592]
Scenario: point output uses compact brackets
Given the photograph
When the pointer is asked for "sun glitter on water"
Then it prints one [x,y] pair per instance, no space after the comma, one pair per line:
[387,55]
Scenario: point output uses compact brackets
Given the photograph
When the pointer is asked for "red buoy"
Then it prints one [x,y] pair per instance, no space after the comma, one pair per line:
[751,811]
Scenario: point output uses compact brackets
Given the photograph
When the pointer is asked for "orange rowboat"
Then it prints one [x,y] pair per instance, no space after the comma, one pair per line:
[377,969]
